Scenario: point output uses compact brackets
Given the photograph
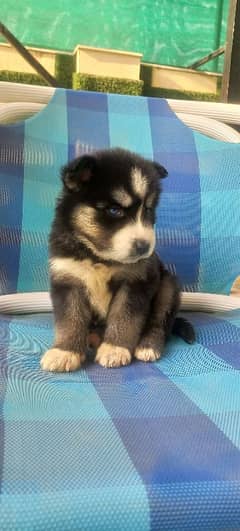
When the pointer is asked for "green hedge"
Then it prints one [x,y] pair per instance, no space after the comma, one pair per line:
[102,84]
[21,77]
[64,65]
[113,85]
[180,94]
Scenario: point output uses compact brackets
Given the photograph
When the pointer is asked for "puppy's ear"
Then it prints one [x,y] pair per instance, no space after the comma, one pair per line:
[161,171]
[78,172]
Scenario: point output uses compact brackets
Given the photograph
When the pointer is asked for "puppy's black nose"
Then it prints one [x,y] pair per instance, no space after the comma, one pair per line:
[141,247]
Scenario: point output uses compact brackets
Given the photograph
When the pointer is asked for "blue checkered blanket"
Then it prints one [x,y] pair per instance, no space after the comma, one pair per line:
[198,223]
[149,446]
[145,447]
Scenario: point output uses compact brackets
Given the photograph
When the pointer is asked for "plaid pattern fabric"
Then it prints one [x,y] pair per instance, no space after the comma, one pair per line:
[198,218]
[145,447]
[148,446]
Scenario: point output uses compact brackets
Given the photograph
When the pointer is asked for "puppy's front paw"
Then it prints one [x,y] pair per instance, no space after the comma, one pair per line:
[58,360]
[112,356]
[147,354]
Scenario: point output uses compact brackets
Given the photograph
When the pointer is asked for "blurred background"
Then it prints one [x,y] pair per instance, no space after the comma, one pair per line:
[166,33]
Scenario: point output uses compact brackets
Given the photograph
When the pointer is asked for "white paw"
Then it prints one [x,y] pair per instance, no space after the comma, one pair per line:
[112,356]
[57,360]
[147,354]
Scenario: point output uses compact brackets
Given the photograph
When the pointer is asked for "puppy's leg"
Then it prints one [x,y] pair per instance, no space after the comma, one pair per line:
[163,310]
[72,317]
[125,322]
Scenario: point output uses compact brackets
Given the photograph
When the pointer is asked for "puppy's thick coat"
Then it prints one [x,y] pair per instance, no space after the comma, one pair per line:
[103,268]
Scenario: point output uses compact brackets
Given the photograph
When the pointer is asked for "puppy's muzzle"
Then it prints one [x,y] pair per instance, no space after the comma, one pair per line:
[140,248]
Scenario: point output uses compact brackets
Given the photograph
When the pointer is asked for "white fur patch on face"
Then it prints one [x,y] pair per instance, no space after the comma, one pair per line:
[122,197]
[139,182]
[95,277]
[119,246]
[124,238]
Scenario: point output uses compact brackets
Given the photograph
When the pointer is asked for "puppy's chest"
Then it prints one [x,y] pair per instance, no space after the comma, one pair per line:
[94,277]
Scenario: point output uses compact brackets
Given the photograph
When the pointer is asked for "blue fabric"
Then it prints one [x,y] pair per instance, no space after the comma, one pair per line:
[148,446]
[198,222]
[11,204]
[144,447]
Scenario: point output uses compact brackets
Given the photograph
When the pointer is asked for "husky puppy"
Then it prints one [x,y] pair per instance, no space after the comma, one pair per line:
[103,269]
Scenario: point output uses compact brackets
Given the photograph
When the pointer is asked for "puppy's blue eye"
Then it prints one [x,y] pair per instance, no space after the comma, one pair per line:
[115,211]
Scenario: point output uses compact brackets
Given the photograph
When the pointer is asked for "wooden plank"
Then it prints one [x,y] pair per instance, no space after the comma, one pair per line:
[231,74]
[28,56]
[207,58]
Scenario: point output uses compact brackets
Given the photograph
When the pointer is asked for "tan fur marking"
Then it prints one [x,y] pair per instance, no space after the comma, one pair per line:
[91,233]
[58,360]
[147,354]
[139,182]
[122,197]
[84,218]
[94,277]
[112,356]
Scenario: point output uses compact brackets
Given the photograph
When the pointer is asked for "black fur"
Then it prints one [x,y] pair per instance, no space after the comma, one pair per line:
[103,269]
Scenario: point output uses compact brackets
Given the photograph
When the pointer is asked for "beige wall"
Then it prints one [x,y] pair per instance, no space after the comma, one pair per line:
[109,63]
[88,60]
[183,79]
[11,60]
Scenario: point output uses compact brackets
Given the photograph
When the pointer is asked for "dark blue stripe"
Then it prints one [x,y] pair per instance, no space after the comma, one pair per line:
[201,506]
[229,352]
[11,204]
[220,336]
[178,235]
[4,344]
[88,128]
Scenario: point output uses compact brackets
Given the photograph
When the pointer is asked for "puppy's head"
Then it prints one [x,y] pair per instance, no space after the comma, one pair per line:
[111,197]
